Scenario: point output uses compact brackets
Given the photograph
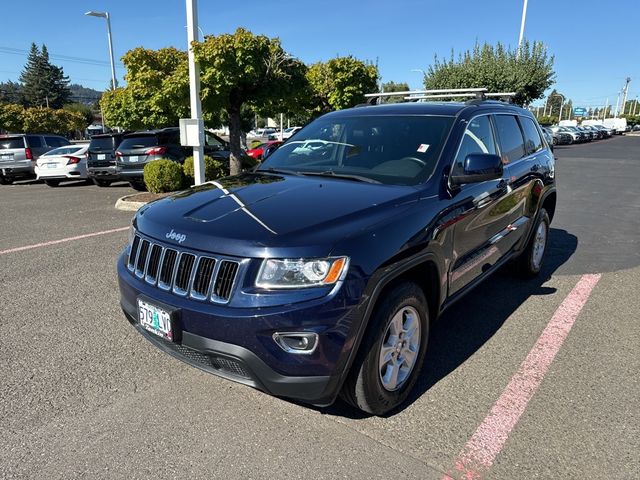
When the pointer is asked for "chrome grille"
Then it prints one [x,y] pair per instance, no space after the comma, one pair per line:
[183,273]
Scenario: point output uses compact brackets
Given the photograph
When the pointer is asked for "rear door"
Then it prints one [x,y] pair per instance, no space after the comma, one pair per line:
[482,222]
[12,152]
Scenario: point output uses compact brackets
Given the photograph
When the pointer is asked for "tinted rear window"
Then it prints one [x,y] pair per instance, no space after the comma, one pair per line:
[533,142]
[34,141]
[11,142]
[143,141]
[102,143]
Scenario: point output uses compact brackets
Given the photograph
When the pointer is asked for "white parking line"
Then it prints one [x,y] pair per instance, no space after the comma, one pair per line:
[485,444]
[62,240]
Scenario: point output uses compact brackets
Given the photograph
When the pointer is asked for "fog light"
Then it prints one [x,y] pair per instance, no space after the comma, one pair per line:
[296,342]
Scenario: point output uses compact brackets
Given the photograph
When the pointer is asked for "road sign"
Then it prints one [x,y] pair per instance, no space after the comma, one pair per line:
[579,111]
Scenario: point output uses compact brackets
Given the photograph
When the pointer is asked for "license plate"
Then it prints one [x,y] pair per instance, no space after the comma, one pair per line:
[155,320]
[133,159]
[101,156]
[6,157]
[52,165]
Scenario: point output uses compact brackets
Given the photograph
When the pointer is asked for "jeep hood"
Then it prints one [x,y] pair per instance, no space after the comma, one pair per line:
[268,215]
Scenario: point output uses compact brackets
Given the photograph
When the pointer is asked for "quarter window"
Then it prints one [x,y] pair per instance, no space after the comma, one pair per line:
[478,138]
[510,137]
[532,141]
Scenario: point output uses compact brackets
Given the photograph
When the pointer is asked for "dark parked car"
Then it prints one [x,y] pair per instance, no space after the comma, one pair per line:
[101,158]
[19,153]
[321,272]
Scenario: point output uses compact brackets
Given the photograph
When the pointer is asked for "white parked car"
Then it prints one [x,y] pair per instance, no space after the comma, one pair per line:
[286,133]
[63,163]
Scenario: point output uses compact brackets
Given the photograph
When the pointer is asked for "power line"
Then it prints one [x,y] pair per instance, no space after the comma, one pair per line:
[66,58]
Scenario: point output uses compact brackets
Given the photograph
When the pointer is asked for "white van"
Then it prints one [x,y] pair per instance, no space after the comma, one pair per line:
[618,124]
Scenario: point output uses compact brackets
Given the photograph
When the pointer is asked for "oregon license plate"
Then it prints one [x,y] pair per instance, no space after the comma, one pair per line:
[155,319]
[101,156]
[133,158]
[52,165]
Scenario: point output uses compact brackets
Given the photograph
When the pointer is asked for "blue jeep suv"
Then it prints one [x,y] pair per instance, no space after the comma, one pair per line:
[319,273]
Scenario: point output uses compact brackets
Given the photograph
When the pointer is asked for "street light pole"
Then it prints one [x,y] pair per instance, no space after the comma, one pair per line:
[194,91]
[105,15]
[522,22]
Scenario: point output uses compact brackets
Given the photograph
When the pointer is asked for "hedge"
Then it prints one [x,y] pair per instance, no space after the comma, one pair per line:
[163,176]
[213,168]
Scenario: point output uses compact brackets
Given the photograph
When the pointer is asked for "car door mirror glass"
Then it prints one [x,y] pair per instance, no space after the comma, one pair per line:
[479,167]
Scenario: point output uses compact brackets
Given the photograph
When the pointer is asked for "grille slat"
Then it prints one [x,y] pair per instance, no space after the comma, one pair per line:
[224,281]
[154,264]
[183,273]
[133,252]
[202,279]
[141,261]
[167,269]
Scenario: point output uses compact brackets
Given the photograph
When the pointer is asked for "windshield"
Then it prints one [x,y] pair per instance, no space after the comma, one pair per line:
[396,150]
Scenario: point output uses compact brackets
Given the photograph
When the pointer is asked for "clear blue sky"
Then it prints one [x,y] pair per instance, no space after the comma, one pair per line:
[595,43]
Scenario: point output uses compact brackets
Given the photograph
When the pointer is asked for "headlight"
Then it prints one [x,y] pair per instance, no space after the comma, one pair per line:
[300,273]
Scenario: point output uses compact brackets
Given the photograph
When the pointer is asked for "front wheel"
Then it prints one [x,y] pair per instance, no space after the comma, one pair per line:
[529,263]
[139,186]
[392,352]
[52,183]
[5,180]
[101,183]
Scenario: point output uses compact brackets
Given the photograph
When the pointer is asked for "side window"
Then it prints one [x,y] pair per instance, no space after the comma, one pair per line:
[510,137]
[34,141]
[477,138]
[532,141]
[55,142]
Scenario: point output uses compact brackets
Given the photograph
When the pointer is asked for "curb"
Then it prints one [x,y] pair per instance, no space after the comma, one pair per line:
[129,206]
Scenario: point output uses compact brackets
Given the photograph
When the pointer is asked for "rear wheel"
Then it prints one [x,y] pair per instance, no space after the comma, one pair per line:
[529,263]
[101,183]
[391,355]
[5,180]
[555,141]
[139,186]
[52,183]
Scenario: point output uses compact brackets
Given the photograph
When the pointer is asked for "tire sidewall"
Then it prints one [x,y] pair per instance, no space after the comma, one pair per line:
[374,398]
[543,217]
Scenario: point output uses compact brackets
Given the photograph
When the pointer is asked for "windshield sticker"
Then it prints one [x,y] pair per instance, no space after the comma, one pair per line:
[423,148]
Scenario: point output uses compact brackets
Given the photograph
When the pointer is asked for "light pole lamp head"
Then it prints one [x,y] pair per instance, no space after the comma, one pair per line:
[91,13]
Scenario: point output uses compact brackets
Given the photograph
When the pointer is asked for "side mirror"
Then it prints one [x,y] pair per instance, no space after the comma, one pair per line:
[268,151]
[479,167]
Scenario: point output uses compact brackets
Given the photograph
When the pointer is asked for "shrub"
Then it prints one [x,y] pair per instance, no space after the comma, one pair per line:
[163,176]
[213,168]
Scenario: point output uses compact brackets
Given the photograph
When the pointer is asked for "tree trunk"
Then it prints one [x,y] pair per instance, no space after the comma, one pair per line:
[235,160]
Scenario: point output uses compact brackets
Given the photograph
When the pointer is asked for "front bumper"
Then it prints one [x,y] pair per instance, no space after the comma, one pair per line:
[237,344]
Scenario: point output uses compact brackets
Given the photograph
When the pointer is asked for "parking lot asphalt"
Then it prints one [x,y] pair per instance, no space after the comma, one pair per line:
[82,395]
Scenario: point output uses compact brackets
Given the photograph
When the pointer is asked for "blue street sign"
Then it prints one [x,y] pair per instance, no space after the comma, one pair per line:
[579,111]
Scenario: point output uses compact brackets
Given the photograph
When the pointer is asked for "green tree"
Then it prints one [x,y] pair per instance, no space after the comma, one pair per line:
[243,68]
[43,84]
[497,68]
[84,110]
[395,87]
[11,92]
[340,83]
[11,118]
[157,91]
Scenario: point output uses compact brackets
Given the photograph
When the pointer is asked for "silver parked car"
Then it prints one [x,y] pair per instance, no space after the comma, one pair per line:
[19,153]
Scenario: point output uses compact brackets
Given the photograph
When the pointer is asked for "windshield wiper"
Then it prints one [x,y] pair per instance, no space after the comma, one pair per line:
[331,173]
[277,171]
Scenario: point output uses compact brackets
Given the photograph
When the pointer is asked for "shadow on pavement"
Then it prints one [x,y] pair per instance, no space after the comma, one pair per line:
[471,322]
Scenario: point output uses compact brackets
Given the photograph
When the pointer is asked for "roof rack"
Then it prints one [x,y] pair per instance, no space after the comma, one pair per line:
[418,95]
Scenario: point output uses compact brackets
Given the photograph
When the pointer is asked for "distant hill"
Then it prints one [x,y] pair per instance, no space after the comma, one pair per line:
[84,95]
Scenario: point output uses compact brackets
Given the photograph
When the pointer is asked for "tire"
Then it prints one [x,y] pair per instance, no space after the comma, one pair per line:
[5,180]
[555,141]
[529,263]
[52,183]
[101,183]
[139,186]
[366,387]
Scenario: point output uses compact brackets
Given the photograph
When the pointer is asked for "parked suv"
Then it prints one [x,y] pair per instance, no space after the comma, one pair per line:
[19,152]
[139,148]
[320,272]
[101,158]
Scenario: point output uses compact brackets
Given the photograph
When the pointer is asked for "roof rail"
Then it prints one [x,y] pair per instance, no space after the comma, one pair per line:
[415,95]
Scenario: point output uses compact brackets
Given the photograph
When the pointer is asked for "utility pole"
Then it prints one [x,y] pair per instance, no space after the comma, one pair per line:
[634,106]
[522,22]
[194,91]
[626,91]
